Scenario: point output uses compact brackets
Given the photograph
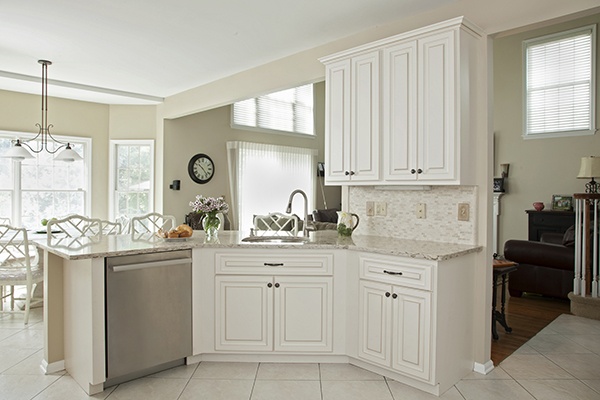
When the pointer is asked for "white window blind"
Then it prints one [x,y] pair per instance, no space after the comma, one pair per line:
[262,177]
[559,77]
[288,110]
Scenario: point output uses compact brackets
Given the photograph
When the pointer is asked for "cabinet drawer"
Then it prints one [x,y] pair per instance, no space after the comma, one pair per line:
[274,263]
[414,273]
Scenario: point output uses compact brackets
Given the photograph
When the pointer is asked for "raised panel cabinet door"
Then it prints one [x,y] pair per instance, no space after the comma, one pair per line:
[375,319]
[303,314]
[365,129]
[337,125]
[399,111]
[436,128]
[244,313]
[411,336]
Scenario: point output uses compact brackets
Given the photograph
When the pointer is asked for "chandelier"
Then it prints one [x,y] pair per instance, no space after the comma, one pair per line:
[42,140]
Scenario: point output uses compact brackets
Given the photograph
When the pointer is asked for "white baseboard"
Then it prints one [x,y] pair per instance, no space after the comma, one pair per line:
[52,368]
[483,368]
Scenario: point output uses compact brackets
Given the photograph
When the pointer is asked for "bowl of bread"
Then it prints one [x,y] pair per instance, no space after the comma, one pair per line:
[182,232]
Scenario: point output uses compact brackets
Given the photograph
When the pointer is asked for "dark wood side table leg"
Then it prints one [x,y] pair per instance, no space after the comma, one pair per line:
[503,303]
[494,312]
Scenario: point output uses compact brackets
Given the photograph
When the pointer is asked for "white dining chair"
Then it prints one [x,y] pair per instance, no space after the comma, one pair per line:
[74,231]
[5,221]
[110,227]
[276,222]
[152,223]
[19,265]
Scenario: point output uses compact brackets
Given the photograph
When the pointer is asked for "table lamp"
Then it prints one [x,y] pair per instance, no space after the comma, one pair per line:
[590,168]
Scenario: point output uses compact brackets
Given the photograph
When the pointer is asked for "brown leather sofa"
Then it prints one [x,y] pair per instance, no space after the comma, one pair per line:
[545,267]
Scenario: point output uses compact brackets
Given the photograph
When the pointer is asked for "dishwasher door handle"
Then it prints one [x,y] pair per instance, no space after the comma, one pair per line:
[151,264]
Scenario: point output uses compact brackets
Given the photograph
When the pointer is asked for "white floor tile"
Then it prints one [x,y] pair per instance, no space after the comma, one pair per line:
[356,390]
[218,370]
[288,390]
[10,357]
[533,366]
[590,342]
[149,389]
[65,388]
[22,387]
[581,366]
[211,389]
[401,391]
[284,371]
[496,373]
[559,390]
[498,389]
[25,339]
[181,372]
[547,344]
[29,366]
[347,372]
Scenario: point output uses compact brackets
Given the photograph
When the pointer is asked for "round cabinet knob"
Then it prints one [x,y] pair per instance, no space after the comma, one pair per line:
[387,294]
[413,171]
[419,171]
[269,284]
[394,296]
[347,173]
[277,285]
[352,172]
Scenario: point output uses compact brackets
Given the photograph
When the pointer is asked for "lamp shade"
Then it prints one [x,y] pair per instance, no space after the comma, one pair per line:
[17,152]
[590,167]
[68,155]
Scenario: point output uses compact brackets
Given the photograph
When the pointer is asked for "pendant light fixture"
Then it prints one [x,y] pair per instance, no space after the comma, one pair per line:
[40,142]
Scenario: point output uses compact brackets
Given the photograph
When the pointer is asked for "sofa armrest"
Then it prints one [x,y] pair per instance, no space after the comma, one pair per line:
[538,253]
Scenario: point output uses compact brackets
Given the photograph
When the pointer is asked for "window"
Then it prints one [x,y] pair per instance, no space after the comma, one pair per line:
[289,110]
[560,83]
[131,177]
[263,177]
[39,188]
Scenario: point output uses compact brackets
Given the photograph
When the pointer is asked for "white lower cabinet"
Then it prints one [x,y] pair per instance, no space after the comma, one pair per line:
[395,328]
[279,313]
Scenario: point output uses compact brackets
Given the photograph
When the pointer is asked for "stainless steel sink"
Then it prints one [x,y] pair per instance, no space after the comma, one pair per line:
[276,239]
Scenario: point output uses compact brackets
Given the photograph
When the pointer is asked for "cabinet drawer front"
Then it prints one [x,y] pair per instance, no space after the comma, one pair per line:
[274,263]
[414,273]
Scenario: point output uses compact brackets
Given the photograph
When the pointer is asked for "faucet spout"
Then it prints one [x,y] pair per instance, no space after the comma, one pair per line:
[289,209]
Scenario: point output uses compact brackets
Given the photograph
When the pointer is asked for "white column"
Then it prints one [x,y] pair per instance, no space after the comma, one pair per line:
[496,209]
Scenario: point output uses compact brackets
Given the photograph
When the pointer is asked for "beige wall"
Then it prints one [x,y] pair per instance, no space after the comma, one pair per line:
[207,132]
[539,168]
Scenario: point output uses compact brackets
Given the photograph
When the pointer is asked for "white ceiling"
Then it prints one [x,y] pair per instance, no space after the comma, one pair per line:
[140,51]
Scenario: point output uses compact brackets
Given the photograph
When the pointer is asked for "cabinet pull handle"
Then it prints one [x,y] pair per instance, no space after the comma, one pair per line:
[273,264]
[385,271]
[394,296]
[269,285]
[387,294]
[277,285]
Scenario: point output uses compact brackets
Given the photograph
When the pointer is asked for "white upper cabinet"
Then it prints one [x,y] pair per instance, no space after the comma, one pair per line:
[413,117]
[352,153]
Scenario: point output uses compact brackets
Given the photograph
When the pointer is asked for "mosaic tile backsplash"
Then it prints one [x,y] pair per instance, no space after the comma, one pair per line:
[440,224]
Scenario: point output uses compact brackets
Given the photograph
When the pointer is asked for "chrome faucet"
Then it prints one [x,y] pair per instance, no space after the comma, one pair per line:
[289,209]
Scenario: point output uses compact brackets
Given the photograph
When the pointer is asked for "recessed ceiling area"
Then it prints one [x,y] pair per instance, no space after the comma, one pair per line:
[141,51]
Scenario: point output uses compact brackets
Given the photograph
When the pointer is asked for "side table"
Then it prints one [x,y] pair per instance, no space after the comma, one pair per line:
[501,270]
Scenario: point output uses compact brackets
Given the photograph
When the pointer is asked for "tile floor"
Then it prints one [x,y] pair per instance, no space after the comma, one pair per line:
[561,362]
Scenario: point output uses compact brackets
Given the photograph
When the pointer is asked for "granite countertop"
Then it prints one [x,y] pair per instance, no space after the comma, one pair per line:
[117,245]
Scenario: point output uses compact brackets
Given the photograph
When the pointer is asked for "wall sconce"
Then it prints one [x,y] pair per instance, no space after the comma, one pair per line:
[175,185]
[504,168]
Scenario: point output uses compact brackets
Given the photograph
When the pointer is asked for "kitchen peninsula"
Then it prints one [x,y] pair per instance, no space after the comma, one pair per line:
[400,308]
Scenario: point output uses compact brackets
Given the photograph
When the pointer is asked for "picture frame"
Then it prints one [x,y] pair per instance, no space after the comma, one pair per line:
[562,202]
[499,185]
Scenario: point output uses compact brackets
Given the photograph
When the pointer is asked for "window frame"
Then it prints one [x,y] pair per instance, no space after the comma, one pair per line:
[17,189]
[260,129]
[112,171]
[552,38]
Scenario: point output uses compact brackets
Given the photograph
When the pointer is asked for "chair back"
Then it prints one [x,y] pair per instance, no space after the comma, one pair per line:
[16,256]
[74,226]
[125,222]
[277,222]
[152,223]
[110,227]
[5,221]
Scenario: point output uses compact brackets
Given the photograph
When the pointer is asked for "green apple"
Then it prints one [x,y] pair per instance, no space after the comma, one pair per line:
[44,222]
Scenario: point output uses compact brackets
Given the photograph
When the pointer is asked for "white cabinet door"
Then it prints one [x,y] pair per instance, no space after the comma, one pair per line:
[303,309]
[243,313]
[399,111]
[436,127]
[375,316]
[365,118]
[411,332]
[337,138]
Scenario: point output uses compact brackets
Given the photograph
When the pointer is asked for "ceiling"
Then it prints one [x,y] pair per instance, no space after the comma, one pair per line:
[141,51]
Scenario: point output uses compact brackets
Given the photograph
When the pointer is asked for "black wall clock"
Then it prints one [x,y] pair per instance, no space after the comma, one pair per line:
[201,168]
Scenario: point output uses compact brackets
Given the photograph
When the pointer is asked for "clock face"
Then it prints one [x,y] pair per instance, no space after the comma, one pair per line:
[201,168]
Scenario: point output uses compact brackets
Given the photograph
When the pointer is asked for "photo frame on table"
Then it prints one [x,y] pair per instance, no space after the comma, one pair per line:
[562,202]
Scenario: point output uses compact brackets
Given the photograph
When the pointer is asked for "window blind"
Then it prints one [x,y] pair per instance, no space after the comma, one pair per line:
[559,82]
[289,110]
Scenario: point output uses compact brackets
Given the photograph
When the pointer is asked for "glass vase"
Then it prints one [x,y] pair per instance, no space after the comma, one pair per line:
[211,224]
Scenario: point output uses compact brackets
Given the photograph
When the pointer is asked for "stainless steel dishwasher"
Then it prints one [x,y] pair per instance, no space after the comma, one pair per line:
[148,313]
